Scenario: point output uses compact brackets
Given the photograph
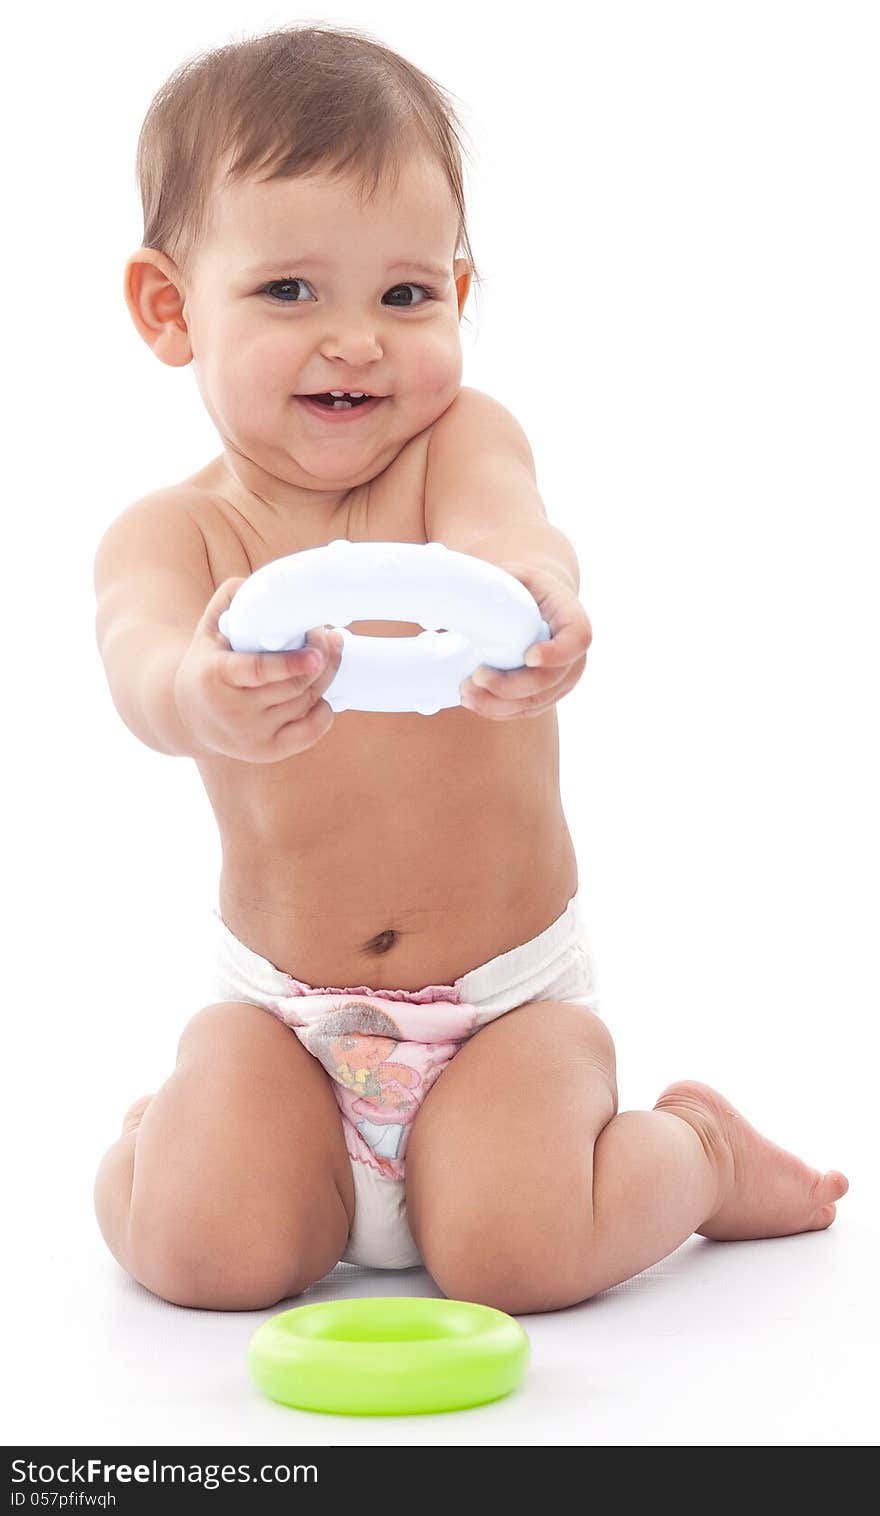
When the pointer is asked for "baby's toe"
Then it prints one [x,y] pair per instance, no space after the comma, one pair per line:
[829,1188]
[821,1218]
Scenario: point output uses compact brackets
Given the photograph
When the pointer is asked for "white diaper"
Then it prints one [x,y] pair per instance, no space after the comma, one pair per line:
[383,1050]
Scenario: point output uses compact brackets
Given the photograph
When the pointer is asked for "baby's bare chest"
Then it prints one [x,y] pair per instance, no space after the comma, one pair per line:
[370,774]
[392,828]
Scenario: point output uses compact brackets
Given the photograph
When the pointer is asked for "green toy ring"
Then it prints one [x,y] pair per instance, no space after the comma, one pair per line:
[388,1356]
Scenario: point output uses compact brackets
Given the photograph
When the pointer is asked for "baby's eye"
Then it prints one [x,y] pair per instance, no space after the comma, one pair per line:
[425,291]
[282,284]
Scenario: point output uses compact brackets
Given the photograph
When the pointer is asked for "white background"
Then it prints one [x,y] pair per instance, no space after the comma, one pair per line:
[675,207]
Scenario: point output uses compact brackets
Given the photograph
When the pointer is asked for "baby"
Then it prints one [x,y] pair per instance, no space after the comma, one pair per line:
[403,1062]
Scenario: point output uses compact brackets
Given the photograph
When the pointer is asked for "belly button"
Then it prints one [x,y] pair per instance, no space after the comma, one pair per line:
[381,942]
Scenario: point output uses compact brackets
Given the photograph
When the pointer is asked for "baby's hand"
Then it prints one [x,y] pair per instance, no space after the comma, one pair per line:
[259,707]
[554,667]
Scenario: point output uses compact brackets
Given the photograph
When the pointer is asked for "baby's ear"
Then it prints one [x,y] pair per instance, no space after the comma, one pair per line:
[155,302]
[462,274]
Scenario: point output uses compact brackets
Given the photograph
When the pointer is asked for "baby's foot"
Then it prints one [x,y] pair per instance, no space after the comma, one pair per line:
[132,1118]
[764,1191]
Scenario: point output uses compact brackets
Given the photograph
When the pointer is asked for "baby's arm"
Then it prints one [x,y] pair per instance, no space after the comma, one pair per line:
[481,497]
[173,677]
[481,493]
[152,582]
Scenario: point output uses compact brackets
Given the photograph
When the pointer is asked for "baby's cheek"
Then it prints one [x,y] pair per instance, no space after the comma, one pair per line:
[252,375]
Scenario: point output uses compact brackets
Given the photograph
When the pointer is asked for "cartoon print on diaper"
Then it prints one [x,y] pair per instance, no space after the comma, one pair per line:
[355,1044]
[380,1077]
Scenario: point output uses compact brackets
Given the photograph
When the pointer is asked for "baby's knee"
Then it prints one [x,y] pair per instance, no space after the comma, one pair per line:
[188,1263]
[216,1284]
[518,1282]
[510,1260]
[224,1023]
[220,1217]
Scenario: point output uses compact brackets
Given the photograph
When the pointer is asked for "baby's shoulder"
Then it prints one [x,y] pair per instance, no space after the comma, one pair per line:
[395,500]
[168,514]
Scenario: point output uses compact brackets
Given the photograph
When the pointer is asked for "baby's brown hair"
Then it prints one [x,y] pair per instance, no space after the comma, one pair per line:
[281,104]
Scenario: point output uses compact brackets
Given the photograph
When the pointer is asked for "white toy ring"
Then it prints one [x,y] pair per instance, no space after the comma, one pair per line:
[490,618]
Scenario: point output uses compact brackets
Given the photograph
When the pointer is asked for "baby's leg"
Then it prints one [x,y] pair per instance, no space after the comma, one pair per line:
[230,1189]
[527,1192]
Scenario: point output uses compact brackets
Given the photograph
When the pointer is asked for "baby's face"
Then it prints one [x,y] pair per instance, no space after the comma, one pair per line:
[298,289]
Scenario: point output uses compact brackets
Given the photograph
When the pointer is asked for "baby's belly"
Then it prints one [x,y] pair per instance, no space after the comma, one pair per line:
[384,879]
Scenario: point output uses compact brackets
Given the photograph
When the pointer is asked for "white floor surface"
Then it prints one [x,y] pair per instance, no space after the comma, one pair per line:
[757,1343]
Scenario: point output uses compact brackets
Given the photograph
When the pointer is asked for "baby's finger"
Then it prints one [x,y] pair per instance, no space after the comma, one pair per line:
[570,641]
[292,704]
[329,644]
[251,670]
[513,684]
[501,707]
[298,731]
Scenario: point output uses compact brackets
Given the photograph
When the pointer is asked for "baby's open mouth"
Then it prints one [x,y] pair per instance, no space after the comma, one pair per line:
[341,400]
